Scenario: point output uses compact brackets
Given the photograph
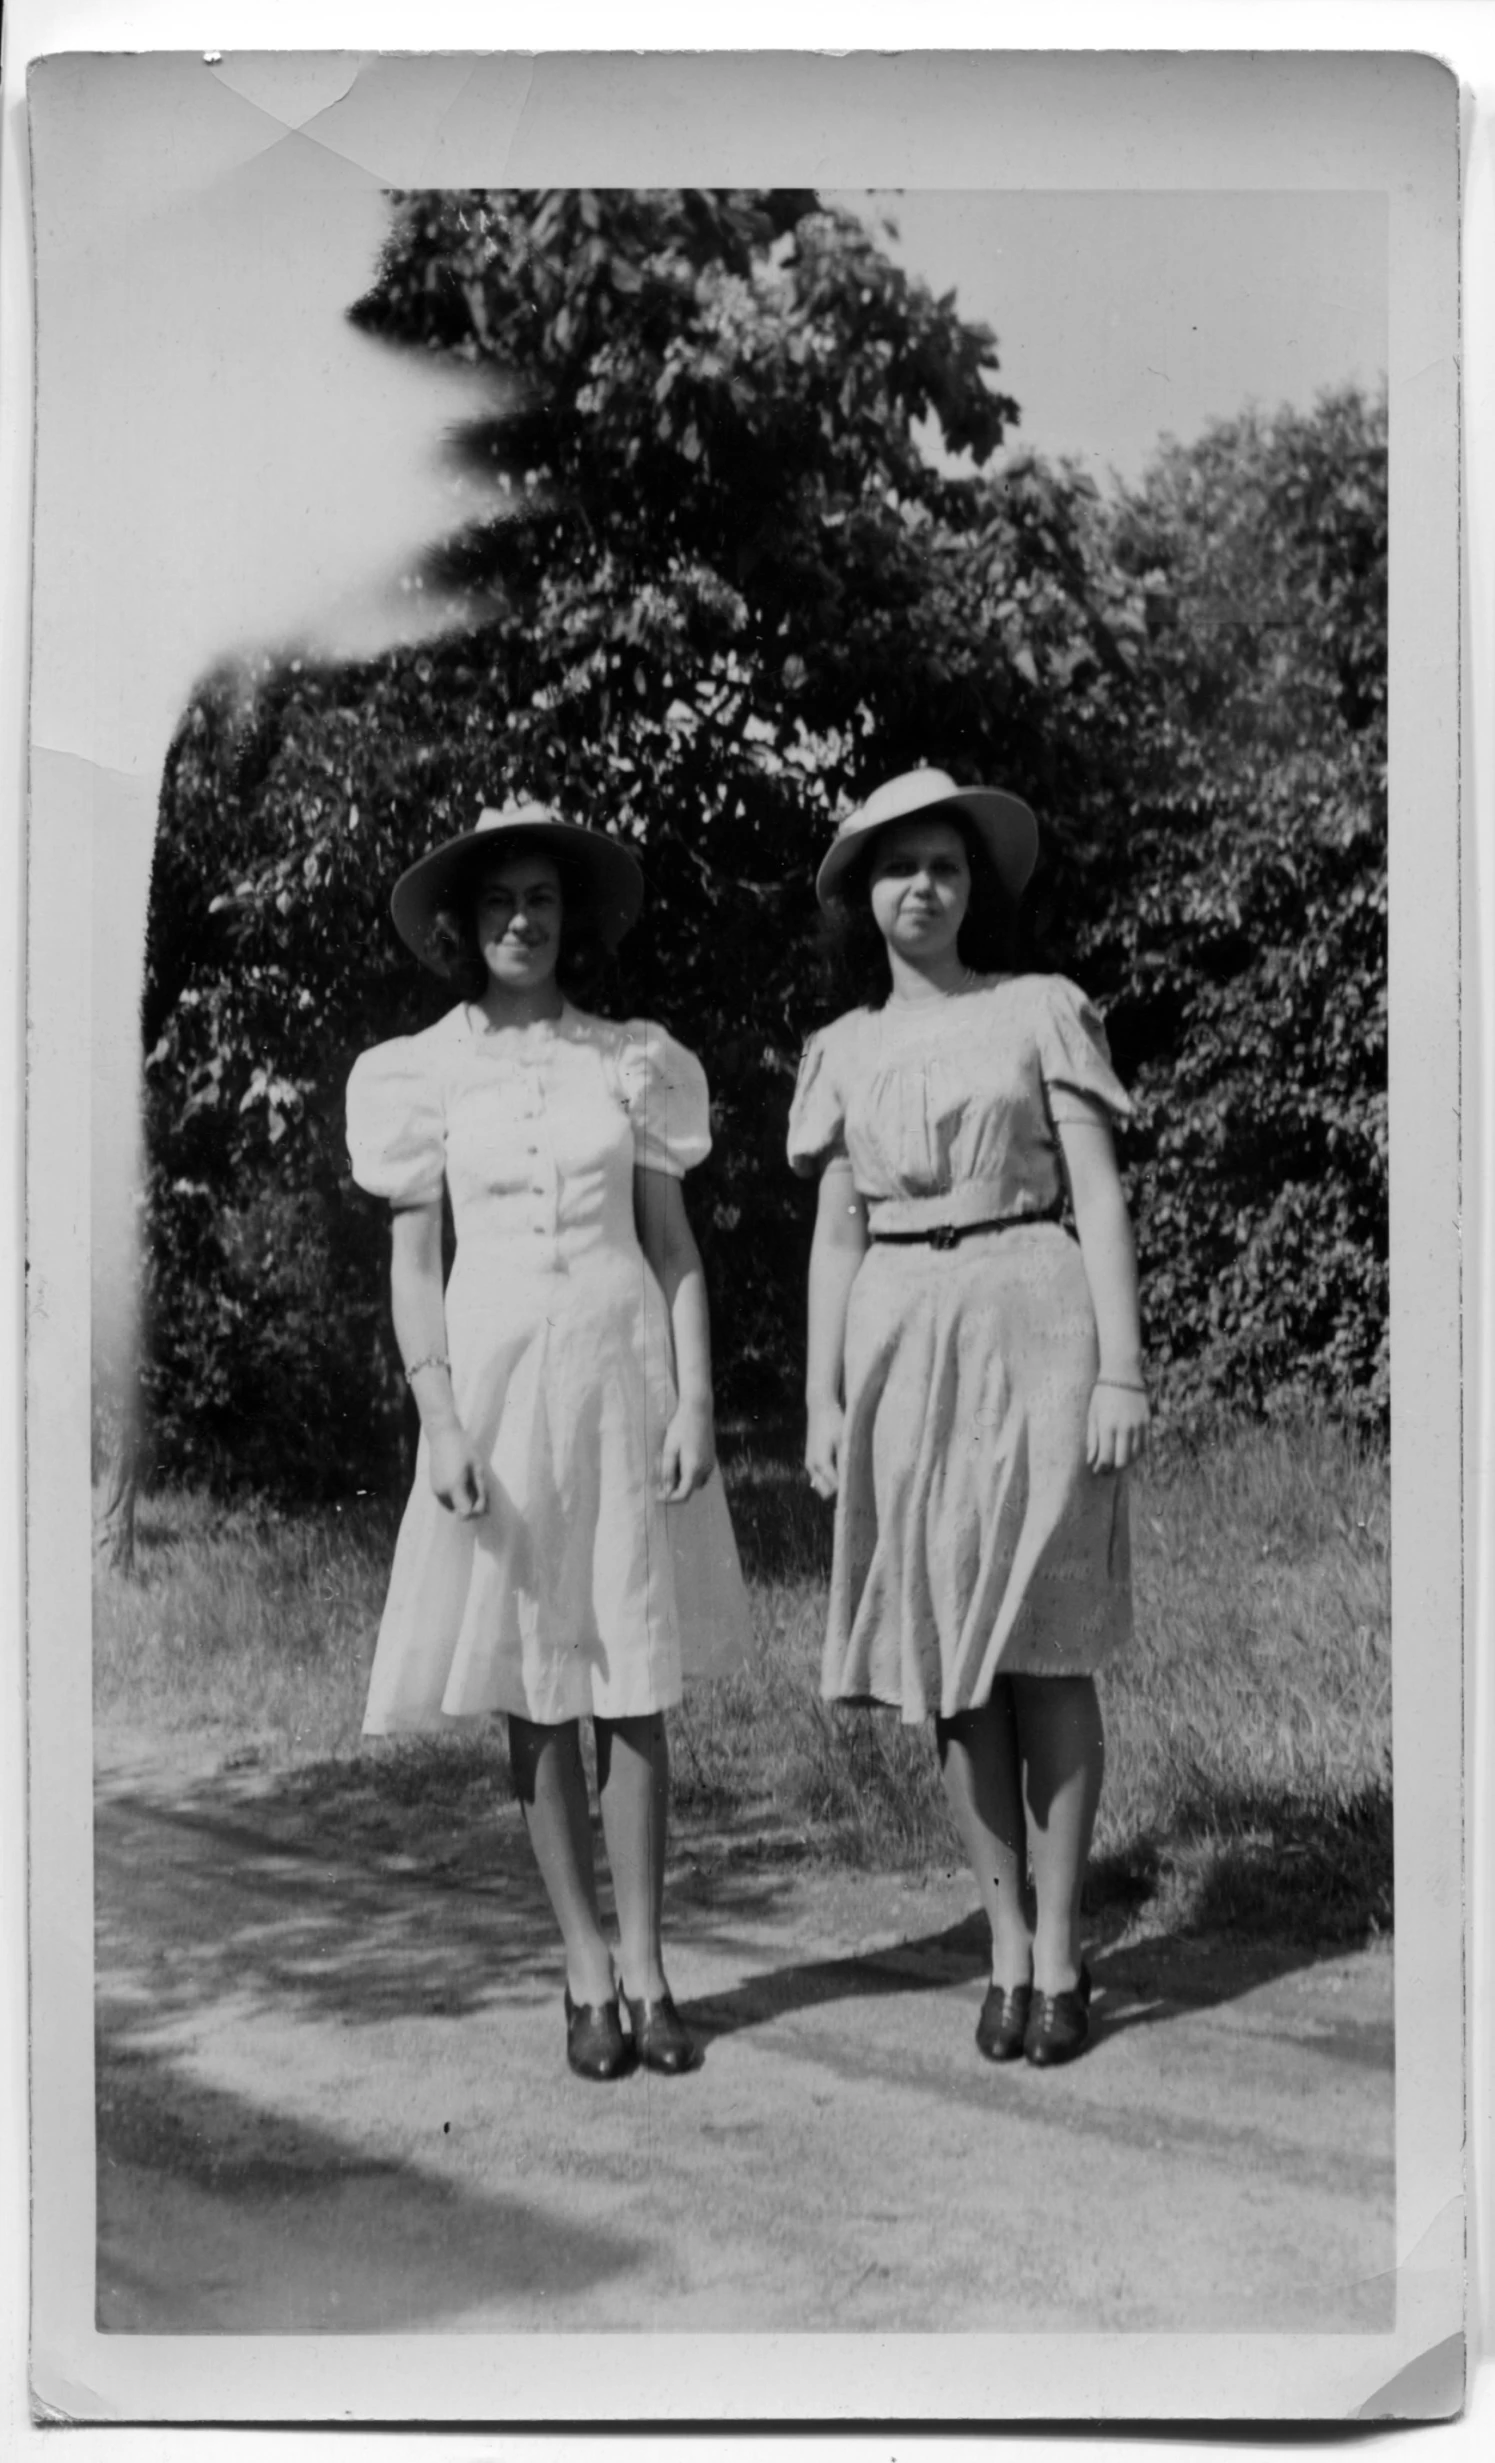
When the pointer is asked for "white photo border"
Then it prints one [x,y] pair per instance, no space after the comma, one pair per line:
[129,2376]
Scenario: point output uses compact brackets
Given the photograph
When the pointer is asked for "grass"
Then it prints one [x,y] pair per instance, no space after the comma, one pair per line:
[1249,1730]
[244,1624]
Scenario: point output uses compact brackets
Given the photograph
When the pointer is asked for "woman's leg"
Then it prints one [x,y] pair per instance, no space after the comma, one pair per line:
[633,1777]
[551,1783]
[983,1787]
[1063,1750]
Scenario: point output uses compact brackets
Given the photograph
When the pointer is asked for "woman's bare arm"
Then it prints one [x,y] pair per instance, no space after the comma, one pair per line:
[419,1309]
[688,1455]
[1118,1406]
[839,1245]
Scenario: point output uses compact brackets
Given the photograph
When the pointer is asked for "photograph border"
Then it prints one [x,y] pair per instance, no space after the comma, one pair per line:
[1426,1408]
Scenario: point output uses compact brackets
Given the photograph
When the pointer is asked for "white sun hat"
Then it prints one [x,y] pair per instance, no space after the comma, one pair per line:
[599,873]
[1004,824]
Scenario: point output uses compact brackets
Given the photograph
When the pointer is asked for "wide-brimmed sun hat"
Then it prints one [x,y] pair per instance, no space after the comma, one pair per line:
[1003,823]
[600,874]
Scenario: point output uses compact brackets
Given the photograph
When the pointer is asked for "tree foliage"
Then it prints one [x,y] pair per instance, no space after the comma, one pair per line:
[1244,954]
[724,590]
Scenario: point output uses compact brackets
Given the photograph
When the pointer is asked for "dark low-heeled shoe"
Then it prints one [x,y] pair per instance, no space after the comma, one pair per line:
[596,2046]
[660,2036]
[1058,2025]
[1002,2028]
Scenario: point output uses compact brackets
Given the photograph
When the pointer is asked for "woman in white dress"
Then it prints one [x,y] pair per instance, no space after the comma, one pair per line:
[566,1551]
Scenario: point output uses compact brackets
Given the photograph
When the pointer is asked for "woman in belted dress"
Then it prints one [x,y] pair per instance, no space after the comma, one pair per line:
[566,1551]
[975,1389]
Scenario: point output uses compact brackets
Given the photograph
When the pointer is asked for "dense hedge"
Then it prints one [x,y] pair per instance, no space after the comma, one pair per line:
[726,593]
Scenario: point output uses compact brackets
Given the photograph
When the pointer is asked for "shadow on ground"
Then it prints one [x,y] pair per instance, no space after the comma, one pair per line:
[298,2227]
[242,1892]
[263,1889]
[238,1897]
[1261,1866]
[1144,1981]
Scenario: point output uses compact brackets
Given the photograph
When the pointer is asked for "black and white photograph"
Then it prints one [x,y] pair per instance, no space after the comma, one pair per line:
[743,1112]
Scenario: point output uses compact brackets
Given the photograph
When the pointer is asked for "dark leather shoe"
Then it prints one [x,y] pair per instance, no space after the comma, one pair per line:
[596,2046]
[660,2036]
[1059,2025]
[1002,2028]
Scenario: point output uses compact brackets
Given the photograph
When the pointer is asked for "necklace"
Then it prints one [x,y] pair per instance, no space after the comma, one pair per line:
[926,1000]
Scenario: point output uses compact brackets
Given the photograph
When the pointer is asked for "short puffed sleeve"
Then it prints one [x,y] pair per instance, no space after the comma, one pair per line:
[664,1092]
[817,1116]
[1076,1059]
[396,1126]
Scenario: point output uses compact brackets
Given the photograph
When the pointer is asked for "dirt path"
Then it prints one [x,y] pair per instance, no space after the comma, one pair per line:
[333,2097]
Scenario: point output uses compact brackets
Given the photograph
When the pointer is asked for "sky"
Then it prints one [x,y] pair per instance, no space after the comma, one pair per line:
[242,467]
[1123,316]
[224,465]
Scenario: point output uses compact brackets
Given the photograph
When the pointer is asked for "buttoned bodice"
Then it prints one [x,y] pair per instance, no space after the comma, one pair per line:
[535,1132]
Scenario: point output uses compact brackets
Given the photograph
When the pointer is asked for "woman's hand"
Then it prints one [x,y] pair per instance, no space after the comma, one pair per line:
[687,1457]
[457,1472]
[823,1436]
[1116,1433]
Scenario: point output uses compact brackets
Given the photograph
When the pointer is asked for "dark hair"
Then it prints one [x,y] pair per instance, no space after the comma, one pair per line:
[452,943]
[856,954]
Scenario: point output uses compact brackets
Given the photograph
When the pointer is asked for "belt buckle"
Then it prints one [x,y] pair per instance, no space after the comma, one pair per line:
[944,1236]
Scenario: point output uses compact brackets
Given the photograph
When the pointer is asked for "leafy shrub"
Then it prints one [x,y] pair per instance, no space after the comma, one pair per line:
[727,593]
[1237,924]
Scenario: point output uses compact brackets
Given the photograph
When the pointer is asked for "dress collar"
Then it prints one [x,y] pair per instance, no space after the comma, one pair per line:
[539,1030]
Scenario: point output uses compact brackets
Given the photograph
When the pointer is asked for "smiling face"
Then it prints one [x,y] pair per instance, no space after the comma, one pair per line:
[517,909]
[920,888]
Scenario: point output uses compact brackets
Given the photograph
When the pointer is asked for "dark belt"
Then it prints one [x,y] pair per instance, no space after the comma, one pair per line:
[949,1235]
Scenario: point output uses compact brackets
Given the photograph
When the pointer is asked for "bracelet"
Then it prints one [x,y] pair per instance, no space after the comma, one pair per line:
[433,1359]
[1122,1385]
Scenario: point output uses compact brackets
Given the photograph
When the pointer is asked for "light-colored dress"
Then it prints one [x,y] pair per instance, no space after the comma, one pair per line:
[575,1591]
[972,1539]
